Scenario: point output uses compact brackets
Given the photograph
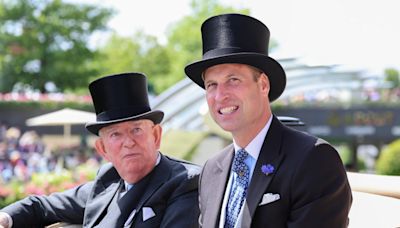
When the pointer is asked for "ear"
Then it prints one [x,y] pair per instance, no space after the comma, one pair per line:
[99,145]
[157,132]
[264,82]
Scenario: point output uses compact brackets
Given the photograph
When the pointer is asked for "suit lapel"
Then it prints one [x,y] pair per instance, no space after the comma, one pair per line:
[159,176]
[270,154]
[218,180]
[103,193]
[131,199]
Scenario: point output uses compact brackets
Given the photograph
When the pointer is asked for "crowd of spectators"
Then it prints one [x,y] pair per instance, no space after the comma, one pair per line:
[24,153]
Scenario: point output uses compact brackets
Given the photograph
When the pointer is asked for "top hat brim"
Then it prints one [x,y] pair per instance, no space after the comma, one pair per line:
[269,66]
[156,116]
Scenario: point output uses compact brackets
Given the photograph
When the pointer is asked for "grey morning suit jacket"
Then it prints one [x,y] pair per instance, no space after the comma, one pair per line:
[170,191]
[309,178]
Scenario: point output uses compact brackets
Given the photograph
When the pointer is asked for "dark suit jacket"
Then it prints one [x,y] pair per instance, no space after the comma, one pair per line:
[309,178]
[170,191]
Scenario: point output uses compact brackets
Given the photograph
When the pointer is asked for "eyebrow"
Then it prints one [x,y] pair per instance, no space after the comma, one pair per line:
[112,127]
[231,74]
[107,130]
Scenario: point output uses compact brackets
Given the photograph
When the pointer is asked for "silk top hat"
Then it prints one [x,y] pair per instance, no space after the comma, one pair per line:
[121,97]
[236,38]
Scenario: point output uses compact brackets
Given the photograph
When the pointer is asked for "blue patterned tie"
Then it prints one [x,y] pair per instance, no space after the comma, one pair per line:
[238,189]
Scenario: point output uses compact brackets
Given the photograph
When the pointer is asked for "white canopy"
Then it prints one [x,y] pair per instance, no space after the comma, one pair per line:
[64,117]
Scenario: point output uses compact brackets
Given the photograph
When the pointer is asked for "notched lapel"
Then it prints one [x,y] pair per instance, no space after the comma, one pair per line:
[160,175]
[270,154]
[218,177]
[100,201]
[260,182]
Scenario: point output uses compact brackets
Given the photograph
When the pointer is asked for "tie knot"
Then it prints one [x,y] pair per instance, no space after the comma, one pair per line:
[241,155]
[238,165]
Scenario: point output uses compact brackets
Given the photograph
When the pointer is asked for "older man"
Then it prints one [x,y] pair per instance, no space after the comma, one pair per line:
[140,187]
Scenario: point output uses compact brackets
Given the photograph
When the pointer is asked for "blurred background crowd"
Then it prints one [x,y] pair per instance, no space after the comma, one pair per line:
[24,153]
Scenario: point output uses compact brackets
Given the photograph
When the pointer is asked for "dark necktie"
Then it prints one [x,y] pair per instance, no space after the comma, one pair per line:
[238,189]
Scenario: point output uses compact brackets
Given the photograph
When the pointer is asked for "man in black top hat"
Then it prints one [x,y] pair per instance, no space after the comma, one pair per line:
[140,187]
[271,175]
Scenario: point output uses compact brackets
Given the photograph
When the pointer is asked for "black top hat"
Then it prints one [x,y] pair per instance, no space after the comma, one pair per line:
[121,97]
[236,38]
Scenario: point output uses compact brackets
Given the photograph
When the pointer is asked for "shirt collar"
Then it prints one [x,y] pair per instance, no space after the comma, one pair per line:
[129,186]
[254,147]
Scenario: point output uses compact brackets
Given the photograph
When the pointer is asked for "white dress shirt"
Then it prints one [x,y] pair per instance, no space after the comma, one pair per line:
[253,148]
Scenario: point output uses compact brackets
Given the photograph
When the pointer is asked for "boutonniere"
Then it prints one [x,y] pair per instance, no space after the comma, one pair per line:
[267,169]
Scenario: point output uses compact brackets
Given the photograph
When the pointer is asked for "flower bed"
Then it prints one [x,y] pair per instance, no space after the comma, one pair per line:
[46,183]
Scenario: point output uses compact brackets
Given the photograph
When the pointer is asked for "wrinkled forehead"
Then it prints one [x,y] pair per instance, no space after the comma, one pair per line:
[142,123]
[233,68]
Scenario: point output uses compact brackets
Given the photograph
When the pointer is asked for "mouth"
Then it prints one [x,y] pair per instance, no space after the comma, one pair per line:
[127,156]
[228,110]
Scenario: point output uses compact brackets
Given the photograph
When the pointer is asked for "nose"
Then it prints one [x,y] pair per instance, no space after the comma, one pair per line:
[129,140]
[221,93]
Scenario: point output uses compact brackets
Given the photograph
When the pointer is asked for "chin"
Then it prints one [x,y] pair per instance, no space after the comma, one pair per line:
[226,126]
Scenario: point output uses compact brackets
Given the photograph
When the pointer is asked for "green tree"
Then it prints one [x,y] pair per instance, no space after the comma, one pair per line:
[140,52]
[117,55]
[388,162]
[184,38]
[163,64]
[392,76]
[47,41]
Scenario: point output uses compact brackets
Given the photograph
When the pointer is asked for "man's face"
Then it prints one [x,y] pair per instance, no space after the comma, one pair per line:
[131,146]
[237,97]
